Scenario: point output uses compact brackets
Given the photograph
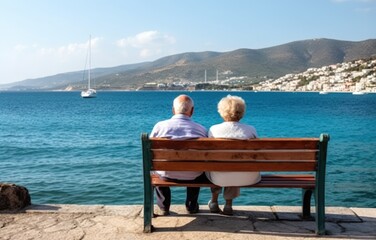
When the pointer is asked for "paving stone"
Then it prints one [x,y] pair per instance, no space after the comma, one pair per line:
[340,214]
[334,229]
[5,219]
[256,212]
[366,214]
[332,214]
[64,208]
[360,229]
[94,222]
[291,213]
[129,211]
[42,208]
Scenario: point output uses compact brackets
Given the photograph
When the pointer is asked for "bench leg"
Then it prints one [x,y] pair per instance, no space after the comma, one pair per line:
[306,207]
[148,209]
[320,212]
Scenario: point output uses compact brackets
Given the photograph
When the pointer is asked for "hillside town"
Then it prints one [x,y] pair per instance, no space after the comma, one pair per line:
[355,76]
[358,76]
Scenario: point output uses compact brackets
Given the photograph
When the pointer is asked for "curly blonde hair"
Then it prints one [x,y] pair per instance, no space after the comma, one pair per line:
[231,108]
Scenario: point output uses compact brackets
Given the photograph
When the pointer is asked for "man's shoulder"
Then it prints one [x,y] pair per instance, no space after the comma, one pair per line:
[163,122]
[198,124]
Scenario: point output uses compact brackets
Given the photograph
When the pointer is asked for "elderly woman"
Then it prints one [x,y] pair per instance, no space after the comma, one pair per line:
[231,109]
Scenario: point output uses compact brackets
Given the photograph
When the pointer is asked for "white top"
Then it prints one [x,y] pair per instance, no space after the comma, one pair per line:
[233,130]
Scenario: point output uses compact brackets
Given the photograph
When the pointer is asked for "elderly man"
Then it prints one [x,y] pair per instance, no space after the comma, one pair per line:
[180,126]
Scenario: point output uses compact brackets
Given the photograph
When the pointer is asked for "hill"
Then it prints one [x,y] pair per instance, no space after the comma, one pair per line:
[251,65]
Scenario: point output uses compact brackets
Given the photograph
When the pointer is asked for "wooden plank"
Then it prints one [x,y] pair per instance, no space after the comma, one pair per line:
[271,177]
[230,166]
[290,177]
[260,185]
[285,181]
[259,143]
[237,155]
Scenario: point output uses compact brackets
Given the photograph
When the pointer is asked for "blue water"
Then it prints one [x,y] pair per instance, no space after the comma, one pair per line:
[66,149]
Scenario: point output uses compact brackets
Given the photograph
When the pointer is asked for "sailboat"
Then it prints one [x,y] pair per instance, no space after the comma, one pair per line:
[89,92]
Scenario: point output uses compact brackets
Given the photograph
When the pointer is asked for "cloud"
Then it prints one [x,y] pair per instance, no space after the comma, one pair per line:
[38,61]
[148,43]
[70,49]
[148,38]
[65,50]
[20,47]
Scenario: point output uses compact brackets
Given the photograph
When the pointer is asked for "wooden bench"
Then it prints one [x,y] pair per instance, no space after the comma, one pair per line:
[298,163]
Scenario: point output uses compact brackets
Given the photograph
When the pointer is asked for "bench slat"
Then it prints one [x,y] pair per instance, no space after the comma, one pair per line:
[228,166]
[212,144]
[279,181]
[238,155]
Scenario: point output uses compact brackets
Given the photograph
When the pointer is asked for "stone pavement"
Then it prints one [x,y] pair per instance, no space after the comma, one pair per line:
[54,222]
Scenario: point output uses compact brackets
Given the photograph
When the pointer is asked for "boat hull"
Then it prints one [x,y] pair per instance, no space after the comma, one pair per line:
[90,93]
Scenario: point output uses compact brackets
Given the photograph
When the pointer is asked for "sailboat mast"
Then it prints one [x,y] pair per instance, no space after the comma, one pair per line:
[89,62]
[89,92]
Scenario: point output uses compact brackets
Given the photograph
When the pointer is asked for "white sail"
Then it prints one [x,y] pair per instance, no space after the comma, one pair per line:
[89,92]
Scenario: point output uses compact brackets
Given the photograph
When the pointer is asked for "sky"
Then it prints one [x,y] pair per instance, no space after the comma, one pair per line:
[40,38]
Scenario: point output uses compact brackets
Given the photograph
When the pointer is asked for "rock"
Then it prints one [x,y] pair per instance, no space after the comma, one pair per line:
[13,197]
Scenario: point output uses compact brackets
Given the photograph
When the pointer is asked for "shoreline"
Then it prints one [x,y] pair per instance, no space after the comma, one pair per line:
[72,221]
[125,90]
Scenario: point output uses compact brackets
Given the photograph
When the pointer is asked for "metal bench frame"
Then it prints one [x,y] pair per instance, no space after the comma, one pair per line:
[292,156]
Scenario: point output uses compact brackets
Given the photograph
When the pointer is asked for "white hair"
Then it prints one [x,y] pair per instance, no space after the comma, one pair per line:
[231,108]
[183,104]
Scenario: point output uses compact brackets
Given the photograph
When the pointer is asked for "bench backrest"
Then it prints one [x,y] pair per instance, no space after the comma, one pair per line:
[209,154]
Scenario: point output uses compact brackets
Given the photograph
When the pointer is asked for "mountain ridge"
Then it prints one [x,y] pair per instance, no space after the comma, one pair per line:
[254,65]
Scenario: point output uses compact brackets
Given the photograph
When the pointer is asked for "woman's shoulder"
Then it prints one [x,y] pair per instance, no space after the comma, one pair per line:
[218,130]
[246,126]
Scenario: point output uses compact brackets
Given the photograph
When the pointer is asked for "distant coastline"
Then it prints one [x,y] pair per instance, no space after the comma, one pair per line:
[355,76]
[308,65]
[158,90]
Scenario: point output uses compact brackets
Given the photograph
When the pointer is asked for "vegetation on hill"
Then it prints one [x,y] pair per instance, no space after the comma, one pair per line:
[248,65]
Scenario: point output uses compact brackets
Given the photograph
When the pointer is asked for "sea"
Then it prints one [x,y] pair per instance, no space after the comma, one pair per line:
[68,150]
